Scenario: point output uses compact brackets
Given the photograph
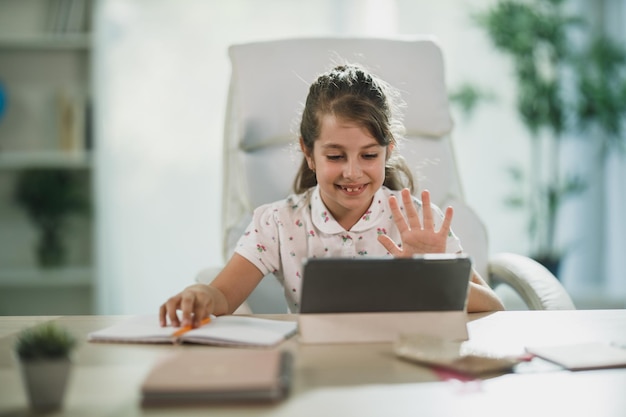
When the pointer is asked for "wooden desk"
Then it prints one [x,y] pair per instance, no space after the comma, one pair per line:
[354,380]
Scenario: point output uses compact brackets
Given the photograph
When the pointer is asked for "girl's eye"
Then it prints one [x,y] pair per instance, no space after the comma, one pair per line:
[334,157]
[370,156]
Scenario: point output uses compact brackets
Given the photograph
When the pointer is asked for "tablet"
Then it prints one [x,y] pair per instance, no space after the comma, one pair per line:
[438,282]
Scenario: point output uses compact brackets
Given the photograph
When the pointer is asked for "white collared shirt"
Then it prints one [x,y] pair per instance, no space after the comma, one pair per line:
[285,233]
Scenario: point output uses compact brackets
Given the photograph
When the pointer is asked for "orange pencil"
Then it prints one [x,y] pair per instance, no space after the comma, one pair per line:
[185,329]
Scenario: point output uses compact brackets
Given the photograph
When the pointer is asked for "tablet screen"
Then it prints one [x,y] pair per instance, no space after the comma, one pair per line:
[348,285]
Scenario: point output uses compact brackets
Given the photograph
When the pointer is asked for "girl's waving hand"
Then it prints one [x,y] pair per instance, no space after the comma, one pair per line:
[418,236]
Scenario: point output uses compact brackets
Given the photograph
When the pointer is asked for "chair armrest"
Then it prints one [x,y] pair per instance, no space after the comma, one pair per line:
[533,282]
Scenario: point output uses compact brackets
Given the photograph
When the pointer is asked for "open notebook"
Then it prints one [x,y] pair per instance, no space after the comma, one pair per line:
[223,330]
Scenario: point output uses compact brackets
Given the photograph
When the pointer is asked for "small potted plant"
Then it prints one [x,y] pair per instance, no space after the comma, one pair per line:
[44,356]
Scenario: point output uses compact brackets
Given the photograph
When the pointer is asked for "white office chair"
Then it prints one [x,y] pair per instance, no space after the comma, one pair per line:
[268,87]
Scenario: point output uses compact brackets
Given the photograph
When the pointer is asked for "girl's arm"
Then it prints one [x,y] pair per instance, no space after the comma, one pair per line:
[481,297]
[228,291]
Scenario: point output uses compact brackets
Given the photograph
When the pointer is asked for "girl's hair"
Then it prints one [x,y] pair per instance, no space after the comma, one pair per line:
[351,93]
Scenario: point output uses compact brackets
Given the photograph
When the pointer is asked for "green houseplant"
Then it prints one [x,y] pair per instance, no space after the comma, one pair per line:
[561,86]
[44,356]
[49,196]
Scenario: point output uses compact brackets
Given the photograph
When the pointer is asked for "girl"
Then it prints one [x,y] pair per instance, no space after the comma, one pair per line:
[353,198]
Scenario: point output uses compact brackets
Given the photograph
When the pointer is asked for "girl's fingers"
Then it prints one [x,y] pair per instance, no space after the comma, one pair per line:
[389,244]
[427,211]
[201,311]
[398,218]
[187,306]
[447,221]
[411,210]
[170,309]
[163,315]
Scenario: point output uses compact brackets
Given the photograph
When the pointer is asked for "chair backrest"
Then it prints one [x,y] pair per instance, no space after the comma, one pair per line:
[268,87]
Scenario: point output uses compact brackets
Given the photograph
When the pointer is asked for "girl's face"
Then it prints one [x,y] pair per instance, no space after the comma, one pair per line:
[349,165]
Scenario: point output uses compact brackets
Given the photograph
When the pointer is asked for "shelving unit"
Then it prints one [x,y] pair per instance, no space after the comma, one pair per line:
[46,72]
[45,42]
[55,278]
[13,160]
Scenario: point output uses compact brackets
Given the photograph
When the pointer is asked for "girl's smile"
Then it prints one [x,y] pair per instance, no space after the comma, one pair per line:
[352,189]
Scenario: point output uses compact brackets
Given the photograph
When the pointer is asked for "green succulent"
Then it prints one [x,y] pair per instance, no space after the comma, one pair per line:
[45,341]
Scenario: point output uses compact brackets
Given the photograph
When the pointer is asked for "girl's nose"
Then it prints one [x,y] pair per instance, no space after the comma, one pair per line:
[352,169]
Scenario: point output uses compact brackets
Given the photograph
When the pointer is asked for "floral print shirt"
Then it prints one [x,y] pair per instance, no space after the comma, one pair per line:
[283,234]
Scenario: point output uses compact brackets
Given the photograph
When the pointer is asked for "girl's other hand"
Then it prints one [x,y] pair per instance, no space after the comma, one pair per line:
[418,237]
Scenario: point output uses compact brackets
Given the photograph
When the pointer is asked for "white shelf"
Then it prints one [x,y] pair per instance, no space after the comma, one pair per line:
[42,278]
[46,41]
[44,159]
[44,51]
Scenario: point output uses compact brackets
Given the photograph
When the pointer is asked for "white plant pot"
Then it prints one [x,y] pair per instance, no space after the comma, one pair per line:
[45,382]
